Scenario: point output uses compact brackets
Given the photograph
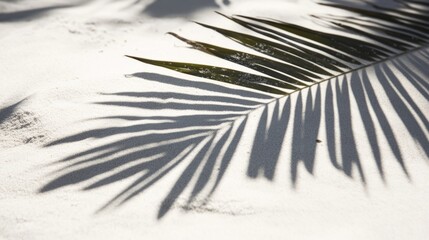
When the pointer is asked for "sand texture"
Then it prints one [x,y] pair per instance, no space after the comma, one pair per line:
[94,145]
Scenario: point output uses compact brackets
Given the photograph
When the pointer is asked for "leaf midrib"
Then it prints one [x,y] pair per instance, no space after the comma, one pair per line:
[347,72]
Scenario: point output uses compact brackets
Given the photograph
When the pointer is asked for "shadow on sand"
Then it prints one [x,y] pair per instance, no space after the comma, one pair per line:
[157,8]
[204,143]
[30,14]
[167,8]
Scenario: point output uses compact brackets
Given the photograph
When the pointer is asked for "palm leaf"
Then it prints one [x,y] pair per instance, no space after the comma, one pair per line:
[303,56]
[285,58]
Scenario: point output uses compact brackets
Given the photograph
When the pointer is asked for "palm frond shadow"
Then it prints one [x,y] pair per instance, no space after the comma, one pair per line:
[204,144]
[31,14]
[148,148]
[166,8]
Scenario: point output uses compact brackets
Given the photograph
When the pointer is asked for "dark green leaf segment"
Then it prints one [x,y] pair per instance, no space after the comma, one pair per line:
[292,57]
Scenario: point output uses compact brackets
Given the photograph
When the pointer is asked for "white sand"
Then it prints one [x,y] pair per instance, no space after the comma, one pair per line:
[120,175]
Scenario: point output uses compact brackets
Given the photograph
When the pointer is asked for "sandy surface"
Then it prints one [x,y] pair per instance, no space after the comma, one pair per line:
[97,146]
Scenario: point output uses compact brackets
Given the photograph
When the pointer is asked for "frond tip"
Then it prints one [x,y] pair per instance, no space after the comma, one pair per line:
[226,75]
